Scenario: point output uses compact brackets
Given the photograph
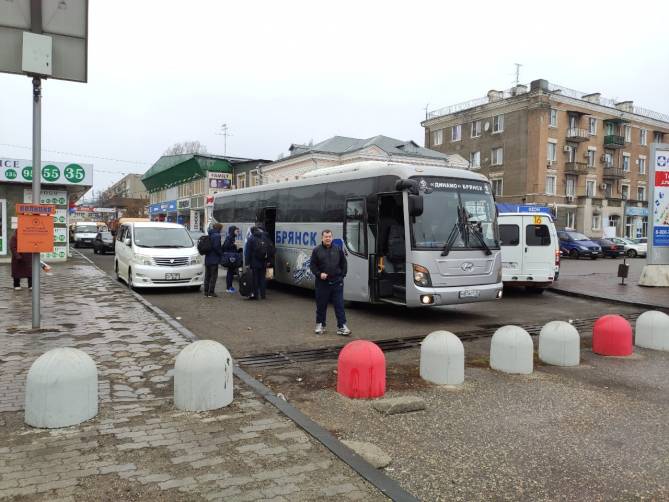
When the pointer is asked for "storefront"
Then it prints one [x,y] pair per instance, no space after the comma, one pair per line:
[162,211]
[636,222]
[62,185]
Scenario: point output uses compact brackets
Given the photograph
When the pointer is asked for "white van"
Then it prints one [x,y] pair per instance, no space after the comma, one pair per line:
[530,250]
[83,233]
[157,255]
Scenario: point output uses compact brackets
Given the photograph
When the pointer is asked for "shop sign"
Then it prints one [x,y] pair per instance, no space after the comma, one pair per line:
[219,181]
[636,211]
[183,204]
[210,200]
[163,207]
[61,173]
[57,197]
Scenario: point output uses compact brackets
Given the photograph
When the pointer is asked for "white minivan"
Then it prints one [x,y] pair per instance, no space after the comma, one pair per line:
[530,250]
[157,255]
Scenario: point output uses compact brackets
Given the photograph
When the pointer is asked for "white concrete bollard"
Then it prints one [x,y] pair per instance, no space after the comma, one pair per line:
[559,344]
[203,377]
[61,389]
[442,359]
[652,330]
[512,350]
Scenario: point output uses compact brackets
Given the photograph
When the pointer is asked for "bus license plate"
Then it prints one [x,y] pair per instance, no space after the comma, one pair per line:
[469,293]
[172,277]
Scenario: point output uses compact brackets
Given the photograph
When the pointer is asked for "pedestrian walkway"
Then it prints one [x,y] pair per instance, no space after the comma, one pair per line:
[140,447]
[599,279]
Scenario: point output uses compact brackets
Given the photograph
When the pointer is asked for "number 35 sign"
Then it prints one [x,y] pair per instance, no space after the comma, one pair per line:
[60,173]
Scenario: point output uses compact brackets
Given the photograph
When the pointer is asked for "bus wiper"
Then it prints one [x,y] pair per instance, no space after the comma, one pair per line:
[458,228]
[479,236]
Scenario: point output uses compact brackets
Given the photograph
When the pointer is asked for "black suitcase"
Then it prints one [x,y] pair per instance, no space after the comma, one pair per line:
[246,282]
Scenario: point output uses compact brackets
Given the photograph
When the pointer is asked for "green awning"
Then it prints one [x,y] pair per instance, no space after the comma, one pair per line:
[172,170]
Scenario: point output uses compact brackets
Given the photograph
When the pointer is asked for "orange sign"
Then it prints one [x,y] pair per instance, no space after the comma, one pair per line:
[35,234]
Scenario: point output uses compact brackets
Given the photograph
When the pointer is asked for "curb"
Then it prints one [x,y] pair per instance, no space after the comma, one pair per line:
[564,292]
[386,485]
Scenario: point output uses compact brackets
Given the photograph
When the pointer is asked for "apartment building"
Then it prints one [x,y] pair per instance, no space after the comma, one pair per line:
[584,155]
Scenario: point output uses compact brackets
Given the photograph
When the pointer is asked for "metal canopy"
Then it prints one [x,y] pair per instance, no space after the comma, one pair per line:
[65,21]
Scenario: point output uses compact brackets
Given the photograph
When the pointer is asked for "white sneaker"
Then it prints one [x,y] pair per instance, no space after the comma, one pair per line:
[319,329]
[343,331]
[17,288]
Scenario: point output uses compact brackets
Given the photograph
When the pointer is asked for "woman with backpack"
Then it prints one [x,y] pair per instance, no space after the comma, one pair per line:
[231,257]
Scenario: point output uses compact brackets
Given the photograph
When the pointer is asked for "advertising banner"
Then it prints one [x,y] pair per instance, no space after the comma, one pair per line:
[219,181]
[60,220]
[661,199]
[3,227]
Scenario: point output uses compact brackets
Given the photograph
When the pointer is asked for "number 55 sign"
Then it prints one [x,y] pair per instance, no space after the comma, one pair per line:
[60,173]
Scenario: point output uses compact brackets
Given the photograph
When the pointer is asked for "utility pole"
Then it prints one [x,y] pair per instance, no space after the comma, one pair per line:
[225,133]
[517,65]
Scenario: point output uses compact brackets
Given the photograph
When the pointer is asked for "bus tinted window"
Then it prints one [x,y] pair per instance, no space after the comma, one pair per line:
[537,235]
[509,235]
[302,204]
[245,207]
[337,193]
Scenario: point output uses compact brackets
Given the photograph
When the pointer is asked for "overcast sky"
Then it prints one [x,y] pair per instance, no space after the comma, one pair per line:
[277,73]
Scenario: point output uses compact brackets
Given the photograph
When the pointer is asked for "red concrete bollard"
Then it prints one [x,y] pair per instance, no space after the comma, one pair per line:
[361,370]
[612,336]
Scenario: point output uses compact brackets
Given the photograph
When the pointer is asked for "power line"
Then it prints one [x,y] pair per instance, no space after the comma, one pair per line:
[78,154]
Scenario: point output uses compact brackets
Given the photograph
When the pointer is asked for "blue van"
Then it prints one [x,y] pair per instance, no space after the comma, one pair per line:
[575,245]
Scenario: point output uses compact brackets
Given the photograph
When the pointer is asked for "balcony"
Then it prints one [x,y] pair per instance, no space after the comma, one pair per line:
[614,201]
[613,172]
[614,141]
[577,134]
[576,168]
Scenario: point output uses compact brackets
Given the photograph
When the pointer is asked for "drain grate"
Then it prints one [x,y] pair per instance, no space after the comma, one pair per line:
[286,358]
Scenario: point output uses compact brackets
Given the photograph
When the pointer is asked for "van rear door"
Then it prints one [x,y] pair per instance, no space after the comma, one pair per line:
[539,248]
[512,248]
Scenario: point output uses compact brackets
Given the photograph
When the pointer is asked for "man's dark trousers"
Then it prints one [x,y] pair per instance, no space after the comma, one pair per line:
[259,282]
[210,278]
[326,293]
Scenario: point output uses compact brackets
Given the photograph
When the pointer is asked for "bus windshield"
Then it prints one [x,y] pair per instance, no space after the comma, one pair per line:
[443,200]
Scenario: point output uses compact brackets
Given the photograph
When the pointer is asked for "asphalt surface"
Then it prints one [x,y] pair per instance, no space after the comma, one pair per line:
[286,319]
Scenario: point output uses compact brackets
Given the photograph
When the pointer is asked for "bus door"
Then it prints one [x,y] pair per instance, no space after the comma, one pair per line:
[390,270]
[267,216]
[356,284]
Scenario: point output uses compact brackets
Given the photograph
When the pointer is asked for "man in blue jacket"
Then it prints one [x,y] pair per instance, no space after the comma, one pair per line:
[212,260]
[328,264]
[258,254]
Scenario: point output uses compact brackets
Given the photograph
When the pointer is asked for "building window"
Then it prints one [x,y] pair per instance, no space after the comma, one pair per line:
[497,186]
[437,137]
[241,180]
[608,190]
[590,188]
[591,158]
[592,126]
[596,222]
[476,129]
[643,137]
[498,123]
[199,186]
[570,187]
[497,155]
[456,132]
[552,152]
[610,129]
[255,178]
[641,193]
[475,160]
[550,185]
[552,121]
[626,162]
[657,137]
[608,159]
[625,191]
[628,134]
[642,165]
[570,219]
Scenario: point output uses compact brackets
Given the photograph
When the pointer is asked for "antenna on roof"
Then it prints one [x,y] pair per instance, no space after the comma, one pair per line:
[517,65]
[428,104]
[224,132]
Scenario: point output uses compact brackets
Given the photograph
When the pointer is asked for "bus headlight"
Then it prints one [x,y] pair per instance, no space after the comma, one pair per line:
[421,276]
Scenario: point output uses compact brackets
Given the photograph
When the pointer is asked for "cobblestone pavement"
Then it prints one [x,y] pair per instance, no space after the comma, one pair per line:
[599,279]
[140,447]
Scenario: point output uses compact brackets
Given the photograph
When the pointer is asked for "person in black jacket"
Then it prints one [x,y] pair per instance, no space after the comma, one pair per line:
[258,255]
[229,246]
[328,264]
[212,260]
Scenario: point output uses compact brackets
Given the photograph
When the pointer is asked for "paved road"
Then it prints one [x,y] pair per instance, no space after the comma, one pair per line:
[286,319]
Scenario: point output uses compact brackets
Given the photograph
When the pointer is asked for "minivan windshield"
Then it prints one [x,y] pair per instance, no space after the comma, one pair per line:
[156,237]
[442,198]
[86,229]
[577,236]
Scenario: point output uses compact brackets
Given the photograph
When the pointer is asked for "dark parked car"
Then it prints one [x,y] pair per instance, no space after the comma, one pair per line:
[575,245]
[103,242]
[609,248]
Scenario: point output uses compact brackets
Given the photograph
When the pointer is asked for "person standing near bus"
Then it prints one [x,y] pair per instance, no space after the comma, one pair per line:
[259,252]
[212,260]
[329,266]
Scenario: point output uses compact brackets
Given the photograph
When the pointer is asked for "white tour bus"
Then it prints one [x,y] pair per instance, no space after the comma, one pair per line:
[413,235]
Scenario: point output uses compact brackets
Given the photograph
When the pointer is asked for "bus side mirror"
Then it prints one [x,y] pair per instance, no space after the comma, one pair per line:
[415,205]
[405,184]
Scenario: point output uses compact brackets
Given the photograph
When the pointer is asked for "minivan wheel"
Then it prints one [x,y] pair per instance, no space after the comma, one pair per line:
[631,253]
[593,257]
[130,285]
[118,277]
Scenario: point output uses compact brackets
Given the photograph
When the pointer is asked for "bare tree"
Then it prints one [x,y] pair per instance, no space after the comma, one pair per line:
[186,147]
